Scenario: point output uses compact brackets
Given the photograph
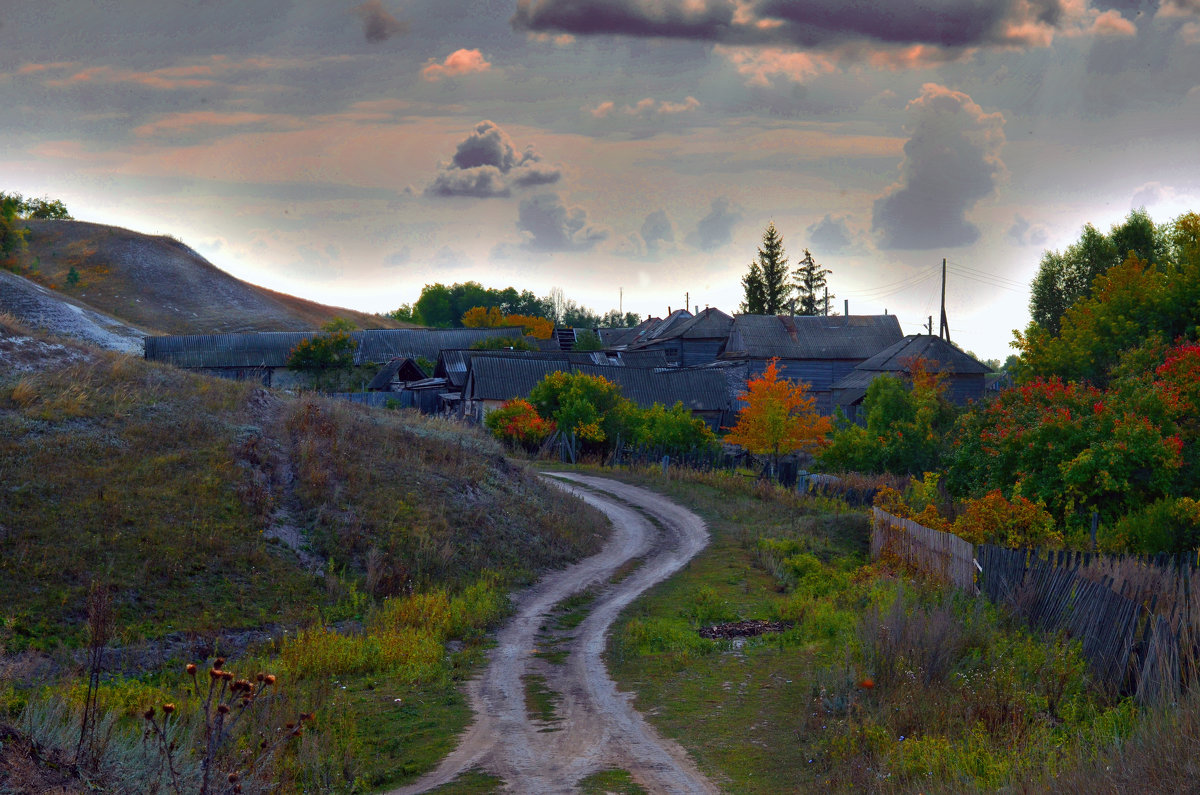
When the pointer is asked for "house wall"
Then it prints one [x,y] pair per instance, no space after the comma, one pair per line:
[697,352]
[819,374]
[960,389]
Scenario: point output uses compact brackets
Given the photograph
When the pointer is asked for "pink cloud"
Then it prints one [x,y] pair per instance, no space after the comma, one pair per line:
[760,65]
[601,110]
[1112,24]
[459,62]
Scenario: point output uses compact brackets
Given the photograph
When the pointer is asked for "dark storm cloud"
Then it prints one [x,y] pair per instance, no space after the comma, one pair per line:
[951,24]
[716,229]
[486,165]
[829,235]
[549,225]
[951,162]
[378,24]
[658,230]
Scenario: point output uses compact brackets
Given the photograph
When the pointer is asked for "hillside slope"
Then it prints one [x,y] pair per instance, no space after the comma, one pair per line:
[207,505]
[43,308]
[161,285]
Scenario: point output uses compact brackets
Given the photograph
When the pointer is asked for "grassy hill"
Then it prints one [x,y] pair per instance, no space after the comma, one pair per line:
[161,285]
[203,509]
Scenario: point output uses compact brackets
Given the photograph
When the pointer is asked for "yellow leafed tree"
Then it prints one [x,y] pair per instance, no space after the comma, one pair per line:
[780,417]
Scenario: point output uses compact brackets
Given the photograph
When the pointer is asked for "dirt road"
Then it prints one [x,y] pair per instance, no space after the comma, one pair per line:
[596,728]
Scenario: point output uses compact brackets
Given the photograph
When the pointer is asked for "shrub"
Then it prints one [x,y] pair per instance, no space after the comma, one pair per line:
[1166,525]
[1017,523]
[674,429]
[517,423]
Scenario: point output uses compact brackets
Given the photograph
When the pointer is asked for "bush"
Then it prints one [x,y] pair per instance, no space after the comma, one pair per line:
[1166,525]
[517,423]
[1016,523]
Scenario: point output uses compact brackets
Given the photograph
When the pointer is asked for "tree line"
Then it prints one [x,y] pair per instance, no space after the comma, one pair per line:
[442,306]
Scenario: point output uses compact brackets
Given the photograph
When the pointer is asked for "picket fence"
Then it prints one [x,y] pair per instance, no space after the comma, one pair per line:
[1132,644]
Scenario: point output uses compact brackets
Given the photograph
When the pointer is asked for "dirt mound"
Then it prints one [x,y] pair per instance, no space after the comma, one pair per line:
[744,629]
[161,285]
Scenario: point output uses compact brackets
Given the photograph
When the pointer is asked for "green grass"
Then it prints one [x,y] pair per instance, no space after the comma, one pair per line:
[610,782]
[881,685]
[472,782]
[541,703]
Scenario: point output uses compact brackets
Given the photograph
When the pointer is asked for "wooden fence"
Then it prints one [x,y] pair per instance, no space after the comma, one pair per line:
[943,556]
[1130,648]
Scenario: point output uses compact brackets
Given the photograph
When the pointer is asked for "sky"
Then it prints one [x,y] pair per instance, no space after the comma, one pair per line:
[630,152]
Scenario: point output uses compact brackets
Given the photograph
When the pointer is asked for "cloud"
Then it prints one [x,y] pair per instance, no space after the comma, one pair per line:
[1112,24]
[830,234]
[459,62]
[398,258]
[549,225]
[1023,233]
[486,165]
[951,162]
[658,231]
[760,64]
[378,24]
[645,107]
[716,229]
[194,120]
[806,24]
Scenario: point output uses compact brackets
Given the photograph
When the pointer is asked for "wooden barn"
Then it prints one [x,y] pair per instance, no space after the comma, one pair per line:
[965,377]
[691,342]
[820,350]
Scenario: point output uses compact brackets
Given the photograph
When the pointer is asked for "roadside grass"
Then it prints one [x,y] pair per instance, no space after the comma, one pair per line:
[472,782]
[883,683]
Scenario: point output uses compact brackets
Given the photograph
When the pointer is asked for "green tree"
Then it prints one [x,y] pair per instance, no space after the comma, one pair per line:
[12,233]
[810,287]
[589,406]
[1066,277]
[755,302]
[766,285]
[675,430]
[72,277]
[588,341]
[327,358]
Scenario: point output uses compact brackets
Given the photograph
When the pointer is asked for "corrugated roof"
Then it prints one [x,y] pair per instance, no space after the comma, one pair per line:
[811,337]
[503,378]
[454,365]
[896,358]
[712,323]
[271,348]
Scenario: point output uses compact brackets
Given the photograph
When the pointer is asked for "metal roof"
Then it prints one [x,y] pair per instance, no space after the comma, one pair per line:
[503,378]
[271,348]
[454,365]
[811,337]
[712,323]
[947,359]
[383,379]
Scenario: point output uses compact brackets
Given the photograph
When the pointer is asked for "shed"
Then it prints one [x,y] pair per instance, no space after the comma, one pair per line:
[965,376]
[393,375]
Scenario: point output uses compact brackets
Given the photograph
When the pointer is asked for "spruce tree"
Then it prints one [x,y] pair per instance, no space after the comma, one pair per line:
[810,285]
[752,283]
[766,284]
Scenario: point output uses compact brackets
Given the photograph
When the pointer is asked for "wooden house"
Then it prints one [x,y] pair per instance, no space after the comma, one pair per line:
[965,377]
[692,341]
[819,350]
[395,374]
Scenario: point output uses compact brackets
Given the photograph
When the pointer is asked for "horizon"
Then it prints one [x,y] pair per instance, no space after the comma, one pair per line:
[353,154]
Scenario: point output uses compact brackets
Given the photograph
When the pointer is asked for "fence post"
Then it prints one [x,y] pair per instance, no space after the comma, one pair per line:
[1095,526]
[666,462]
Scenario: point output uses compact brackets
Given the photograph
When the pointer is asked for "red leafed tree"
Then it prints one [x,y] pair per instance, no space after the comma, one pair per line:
[780,417]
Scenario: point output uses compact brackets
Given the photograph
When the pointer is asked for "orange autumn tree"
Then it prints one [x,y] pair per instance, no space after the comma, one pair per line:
[480,317]
[780,417]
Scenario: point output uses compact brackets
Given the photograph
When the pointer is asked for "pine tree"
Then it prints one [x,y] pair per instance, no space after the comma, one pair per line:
[810,285]
[766,285]
[752,283]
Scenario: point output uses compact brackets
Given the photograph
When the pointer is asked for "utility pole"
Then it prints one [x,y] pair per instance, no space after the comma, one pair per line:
[826,303]
[944,330]
[621,301]
[687,300]
[929,327]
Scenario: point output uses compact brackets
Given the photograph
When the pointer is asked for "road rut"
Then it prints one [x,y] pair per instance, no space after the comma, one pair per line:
[597,728]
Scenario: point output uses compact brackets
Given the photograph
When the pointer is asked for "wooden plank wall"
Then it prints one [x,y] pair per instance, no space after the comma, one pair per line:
[941,555]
